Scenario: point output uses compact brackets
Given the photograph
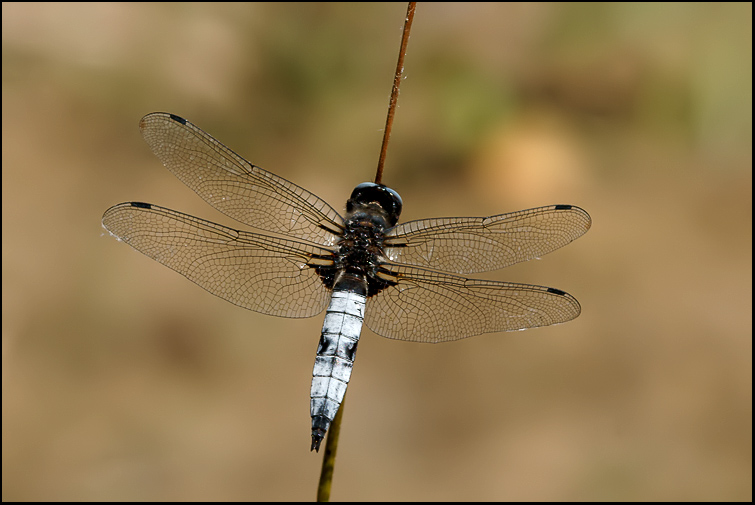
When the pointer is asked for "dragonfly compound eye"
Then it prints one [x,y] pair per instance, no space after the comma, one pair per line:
[387,198]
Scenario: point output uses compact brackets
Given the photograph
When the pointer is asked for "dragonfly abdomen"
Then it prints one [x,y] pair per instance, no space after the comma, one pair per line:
[335,358]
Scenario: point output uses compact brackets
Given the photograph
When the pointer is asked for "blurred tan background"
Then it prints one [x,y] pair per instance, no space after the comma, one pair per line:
[124,381]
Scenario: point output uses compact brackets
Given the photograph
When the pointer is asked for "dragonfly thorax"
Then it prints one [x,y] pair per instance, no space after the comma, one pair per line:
[360,250]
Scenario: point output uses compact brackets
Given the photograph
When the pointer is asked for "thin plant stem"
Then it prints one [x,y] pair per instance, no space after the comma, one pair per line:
[329,458]
[394,92]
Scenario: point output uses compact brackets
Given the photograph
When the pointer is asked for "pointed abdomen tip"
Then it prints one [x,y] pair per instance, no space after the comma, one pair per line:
[316,440]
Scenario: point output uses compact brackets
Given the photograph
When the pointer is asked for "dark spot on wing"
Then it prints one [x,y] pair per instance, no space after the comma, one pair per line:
[178,119]
[141,205]
[557,291]
[564,207]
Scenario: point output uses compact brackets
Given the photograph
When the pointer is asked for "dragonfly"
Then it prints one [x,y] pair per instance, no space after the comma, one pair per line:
[363,268]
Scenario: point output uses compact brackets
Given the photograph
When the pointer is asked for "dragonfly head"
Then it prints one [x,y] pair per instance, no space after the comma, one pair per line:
[369,194]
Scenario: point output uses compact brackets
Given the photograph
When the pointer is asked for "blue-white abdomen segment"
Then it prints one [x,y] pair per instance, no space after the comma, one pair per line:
[335,359]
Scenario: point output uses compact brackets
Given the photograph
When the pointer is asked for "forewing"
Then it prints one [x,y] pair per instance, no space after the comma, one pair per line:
[480,244]
[429,306]
[234,186]
[266,274]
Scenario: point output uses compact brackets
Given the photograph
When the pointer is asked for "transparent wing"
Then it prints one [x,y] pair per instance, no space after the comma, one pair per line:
[270,275]
[480,244]
[234,186]
[428,306]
